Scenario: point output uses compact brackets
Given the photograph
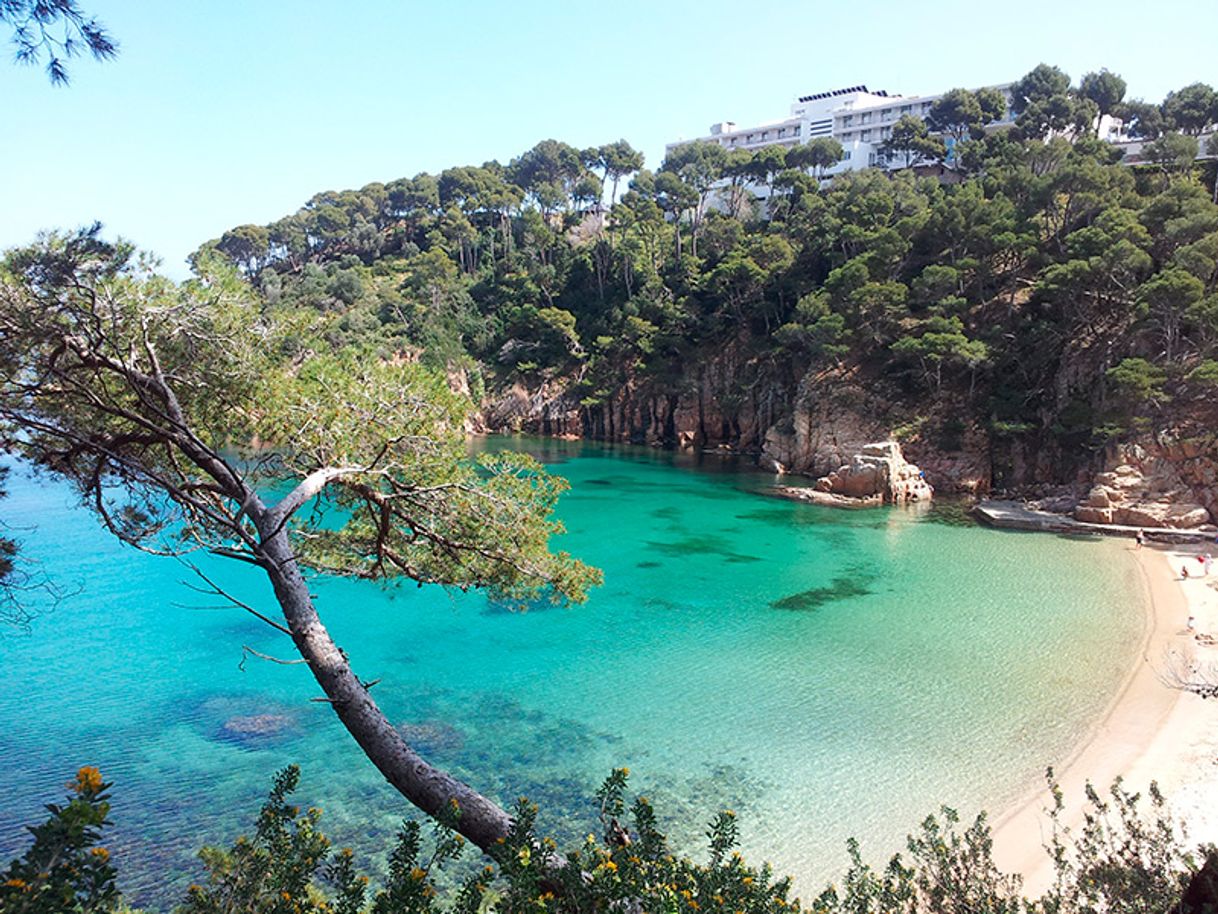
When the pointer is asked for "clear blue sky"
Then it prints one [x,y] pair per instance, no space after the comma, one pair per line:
[221,112]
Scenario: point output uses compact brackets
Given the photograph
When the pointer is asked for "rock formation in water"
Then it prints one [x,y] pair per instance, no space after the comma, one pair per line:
[877,475]
[878,470]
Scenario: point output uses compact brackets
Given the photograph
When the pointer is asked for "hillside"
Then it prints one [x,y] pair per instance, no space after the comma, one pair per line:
[1027,314]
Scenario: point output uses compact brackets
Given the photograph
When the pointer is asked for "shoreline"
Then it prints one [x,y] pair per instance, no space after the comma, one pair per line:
[1149,732]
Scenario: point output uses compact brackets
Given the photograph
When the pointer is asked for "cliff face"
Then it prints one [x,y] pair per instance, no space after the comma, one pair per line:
[1168,482]
[725,400]
[815,426]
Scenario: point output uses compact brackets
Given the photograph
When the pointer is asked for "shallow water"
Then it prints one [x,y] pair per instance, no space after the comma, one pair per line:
[823,673]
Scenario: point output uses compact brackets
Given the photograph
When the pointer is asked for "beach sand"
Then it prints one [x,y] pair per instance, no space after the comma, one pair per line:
[1151,732]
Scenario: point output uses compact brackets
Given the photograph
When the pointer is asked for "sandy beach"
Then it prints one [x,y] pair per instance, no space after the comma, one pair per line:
[1150,732]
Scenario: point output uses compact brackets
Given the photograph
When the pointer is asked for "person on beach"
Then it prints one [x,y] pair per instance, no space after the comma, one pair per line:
[1184,572]
[1192,623]
[1207,562]
[1139,538]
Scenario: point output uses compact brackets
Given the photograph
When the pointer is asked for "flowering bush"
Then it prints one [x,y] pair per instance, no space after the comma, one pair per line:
[1122,860]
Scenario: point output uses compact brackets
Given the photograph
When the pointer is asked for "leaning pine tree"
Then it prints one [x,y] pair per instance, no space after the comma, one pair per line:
[174,410]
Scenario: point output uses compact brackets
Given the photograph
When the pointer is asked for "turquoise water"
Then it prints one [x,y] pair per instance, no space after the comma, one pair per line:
[823,673]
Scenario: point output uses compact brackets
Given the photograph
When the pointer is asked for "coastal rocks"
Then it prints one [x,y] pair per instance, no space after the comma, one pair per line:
[723,400]
[546,410]
[828,425]
[770,465]
[1144,490]
[877,475]
[878,470]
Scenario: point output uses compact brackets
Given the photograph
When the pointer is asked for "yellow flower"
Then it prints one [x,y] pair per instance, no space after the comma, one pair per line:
[88,780]
[286,896]
[101,854]
[16,884]
[418,874]
[747,880]
[524,855]
[610,866]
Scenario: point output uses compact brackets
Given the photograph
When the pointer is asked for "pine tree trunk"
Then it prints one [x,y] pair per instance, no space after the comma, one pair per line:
[427,787]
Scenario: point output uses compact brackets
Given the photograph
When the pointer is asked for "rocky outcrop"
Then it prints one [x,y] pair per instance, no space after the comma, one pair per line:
[1143,488]
[877,475]
[833,419]
[878,470]
[544,410]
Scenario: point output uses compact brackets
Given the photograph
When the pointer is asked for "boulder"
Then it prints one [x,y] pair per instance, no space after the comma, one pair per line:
[1098,497]
[1165,488]
[1091,515]
[880,471]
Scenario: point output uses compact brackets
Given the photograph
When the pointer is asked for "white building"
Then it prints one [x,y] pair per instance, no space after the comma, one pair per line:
[858,118]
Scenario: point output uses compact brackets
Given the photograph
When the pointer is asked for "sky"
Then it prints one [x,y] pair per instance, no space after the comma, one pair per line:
[218,113]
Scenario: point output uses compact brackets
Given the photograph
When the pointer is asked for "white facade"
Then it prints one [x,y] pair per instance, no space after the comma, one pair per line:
[858,118]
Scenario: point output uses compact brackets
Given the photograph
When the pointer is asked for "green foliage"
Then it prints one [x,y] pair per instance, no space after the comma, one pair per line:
[1105,89]
[1045,249]
[55,30]
[66,870]
[1137,380]
[1124,857]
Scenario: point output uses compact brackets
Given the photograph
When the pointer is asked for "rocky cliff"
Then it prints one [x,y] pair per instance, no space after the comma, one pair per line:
[1167,482]
[816,427]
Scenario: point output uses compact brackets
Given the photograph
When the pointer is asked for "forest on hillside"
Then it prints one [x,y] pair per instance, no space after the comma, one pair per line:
[1026,285]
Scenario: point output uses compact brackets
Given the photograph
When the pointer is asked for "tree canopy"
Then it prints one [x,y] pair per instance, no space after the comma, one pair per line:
[51,32]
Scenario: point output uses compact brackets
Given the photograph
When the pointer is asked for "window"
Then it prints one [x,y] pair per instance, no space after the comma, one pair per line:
[887,112]
[865,136]
[866,118]
[848,120]
[765,134]
[846,155]
[905,109]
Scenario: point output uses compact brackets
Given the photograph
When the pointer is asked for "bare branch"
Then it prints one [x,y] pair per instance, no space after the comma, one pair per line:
[1188,674]
[214,589]
[246,651]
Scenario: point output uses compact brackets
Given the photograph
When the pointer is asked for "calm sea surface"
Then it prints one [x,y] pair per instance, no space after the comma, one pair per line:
[824,674]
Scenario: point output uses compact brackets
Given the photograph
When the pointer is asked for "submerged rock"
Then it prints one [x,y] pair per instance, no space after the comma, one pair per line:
[257,730]
[432,737]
